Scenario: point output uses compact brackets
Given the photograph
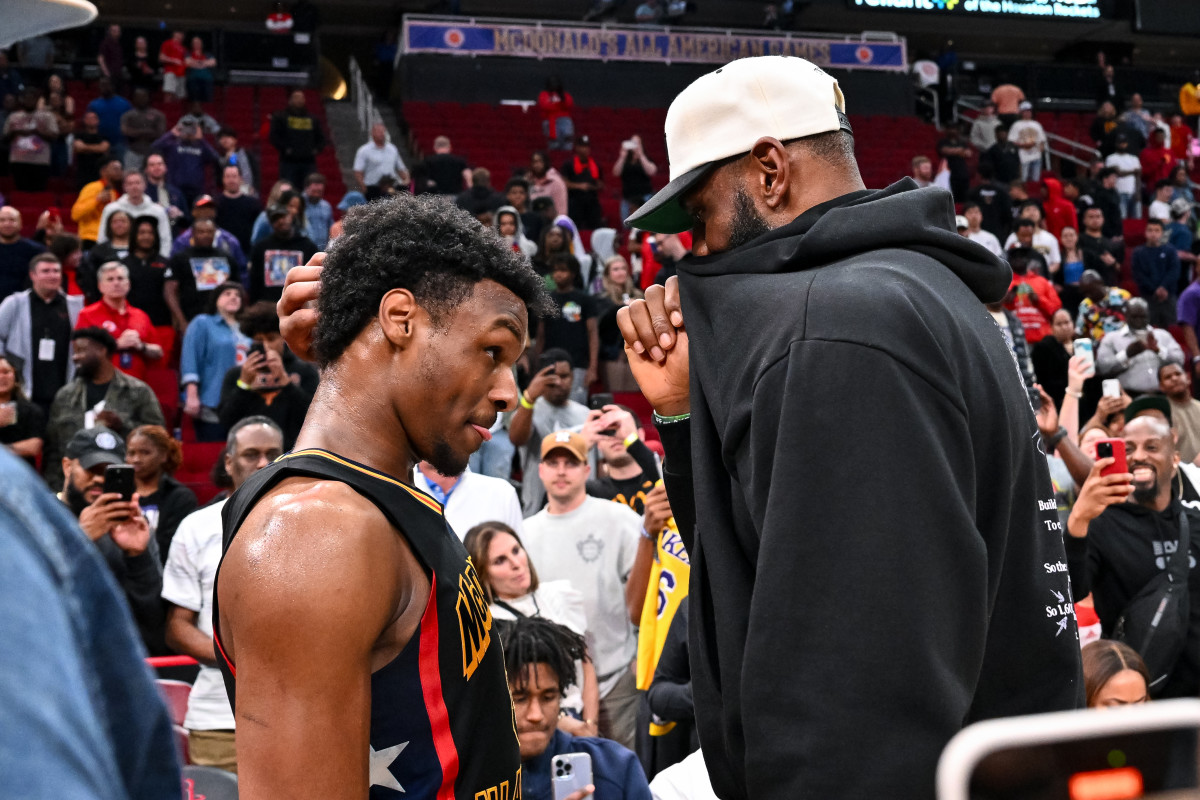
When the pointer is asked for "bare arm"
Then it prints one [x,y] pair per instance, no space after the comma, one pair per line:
[27,448]
[654,519]
[185,638]
[304,639]
[171,296]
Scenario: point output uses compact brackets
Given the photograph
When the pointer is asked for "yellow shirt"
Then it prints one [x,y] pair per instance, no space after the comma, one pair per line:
[88,209]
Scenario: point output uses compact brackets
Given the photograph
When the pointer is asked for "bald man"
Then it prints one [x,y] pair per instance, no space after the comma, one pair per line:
[1124,531]
[15,252]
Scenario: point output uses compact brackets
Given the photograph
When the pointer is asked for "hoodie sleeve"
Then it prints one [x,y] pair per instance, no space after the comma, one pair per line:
[876,608]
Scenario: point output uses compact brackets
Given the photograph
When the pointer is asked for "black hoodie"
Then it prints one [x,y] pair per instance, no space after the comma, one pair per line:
[878,560]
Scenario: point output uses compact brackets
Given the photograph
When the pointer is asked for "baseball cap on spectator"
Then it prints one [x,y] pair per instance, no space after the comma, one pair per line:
[722,114]
[350,200]
[276,211]
[92,447]
[584,139]
[1025,106]
[1149,402]
[961,222]
[569,441]
[98,335]
[189,123]
[204,201]
[1180,206]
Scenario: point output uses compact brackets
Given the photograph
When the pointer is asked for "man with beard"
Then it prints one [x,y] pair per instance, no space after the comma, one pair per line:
[346,613]
[846,305]
[1118,542]
[98,394]
[117,526]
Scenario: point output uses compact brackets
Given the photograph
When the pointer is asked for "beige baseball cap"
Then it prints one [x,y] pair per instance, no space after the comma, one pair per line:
[570,441]
[723,114]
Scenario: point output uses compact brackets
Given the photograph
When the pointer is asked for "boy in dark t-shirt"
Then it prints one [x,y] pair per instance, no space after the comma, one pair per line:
[575,328]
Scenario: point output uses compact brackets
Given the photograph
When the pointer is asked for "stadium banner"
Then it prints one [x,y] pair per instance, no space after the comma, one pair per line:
[1075,10]
[616,43]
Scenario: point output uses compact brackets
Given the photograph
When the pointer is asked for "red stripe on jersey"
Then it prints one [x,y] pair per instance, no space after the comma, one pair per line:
[435,703]
[221,650]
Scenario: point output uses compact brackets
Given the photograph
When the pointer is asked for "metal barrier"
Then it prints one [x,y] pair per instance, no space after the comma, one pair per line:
[364,100]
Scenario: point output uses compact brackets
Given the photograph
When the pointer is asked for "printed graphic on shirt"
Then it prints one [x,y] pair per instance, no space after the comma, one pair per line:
[590,548]
[209,271]
[277,264]
[1059,605]
[572,311]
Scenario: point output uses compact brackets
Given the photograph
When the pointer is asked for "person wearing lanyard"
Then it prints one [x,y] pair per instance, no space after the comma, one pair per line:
[35,328]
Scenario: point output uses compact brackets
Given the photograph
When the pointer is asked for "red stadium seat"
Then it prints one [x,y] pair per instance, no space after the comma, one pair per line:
[176,694]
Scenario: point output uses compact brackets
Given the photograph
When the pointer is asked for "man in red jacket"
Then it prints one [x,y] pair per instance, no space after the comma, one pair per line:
[1156,159]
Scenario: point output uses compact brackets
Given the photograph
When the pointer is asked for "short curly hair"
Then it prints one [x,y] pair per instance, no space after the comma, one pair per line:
[259,318]
[424,244]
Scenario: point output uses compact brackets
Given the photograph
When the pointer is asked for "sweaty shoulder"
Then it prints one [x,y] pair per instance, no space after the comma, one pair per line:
[319,548]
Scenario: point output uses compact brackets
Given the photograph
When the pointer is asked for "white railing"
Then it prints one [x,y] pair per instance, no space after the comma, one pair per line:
[364,100]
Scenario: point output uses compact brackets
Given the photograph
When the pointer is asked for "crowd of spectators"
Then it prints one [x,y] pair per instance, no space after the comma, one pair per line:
[181,252]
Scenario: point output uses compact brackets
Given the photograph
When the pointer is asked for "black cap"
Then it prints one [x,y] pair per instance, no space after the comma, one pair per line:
[92,447]
[276,211]
[1149,402]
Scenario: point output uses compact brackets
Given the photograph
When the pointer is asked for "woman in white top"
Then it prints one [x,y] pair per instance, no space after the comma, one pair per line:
[511,585]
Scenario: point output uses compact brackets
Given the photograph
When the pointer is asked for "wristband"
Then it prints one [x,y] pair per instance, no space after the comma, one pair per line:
[1076,395]
[646,535]
[661,420]
[525,401]
[1195,359]
[1053,439]
[630,439]
[241,384]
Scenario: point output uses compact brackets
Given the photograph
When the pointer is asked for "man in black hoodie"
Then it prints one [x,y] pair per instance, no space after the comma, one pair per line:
[298,137]
[849,620]
[1115,548]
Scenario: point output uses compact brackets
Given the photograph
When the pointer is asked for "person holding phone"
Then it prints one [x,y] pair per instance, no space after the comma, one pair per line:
[540,656]
[115,523]
[270,382]
[1124,528]
[544,407]
[1134,352]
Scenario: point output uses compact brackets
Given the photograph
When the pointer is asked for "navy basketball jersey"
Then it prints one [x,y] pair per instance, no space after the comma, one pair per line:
[442,722]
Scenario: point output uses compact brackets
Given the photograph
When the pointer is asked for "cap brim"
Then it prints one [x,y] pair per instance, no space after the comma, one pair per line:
[564,449]
[95,459]
[664,213]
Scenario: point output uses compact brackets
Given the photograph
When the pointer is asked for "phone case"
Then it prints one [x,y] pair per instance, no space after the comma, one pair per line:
[1116,449]
[571,772]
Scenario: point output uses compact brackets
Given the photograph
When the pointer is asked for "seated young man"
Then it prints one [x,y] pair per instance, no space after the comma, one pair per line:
[346,613]
[540,656]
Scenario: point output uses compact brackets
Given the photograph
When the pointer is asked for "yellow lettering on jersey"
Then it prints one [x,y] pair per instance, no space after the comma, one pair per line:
[474,620]
[509,790]
[300,123]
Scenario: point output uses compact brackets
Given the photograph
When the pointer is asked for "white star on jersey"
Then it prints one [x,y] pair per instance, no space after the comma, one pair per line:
[381,760]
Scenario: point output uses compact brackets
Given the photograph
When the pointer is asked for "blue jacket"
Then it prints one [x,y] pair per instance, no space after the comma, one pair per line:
[110,111]
[1154,267]
[318,218]
[82,716]
[616,772]
[210,349]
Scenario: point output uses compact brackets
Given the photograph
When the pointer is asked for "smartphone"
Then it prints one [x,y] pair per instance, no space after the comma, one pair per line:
[1112,448]
[1112,387]
[1147,750]
[258,347]
[572,772]
[600,400]
[118,479]
[1083,347]
[545,361]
